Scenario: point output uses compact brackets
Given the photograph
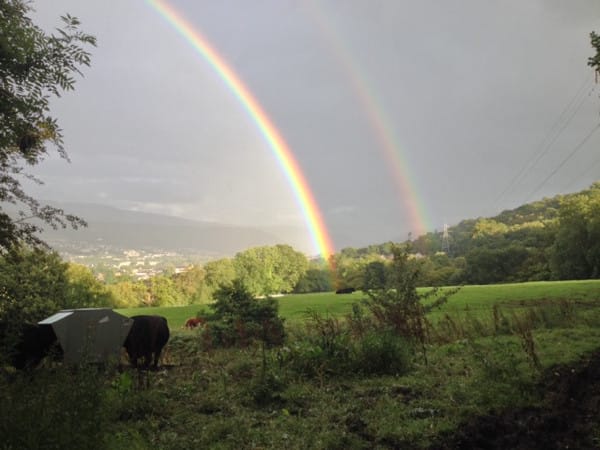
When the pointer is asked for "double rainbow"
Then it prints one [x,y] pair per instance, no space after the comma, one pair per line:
[377,118]
[280,149]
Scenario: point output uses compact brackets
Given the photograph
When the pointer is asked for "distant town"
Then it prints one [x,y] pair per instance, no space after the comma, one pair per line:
[111,263]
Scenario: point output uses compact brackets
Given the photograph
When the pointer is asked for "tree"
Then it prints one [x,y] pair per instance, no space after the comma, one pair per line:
[36,283]
[349,271]
[129,294]
[398,306]
[269,270]
[576,251]
[163,292]
[34,67]
[317,278]
[314,280]
[255,267]
[594,61]
[192,285]
[290,265]
[219,272]
[85,291]
[239,318]
[374,277]
[494,265]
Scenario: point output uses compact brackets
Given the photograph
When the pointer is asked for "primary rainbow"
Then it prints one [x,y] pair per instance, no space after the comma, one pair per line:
[279,147]
[378,120]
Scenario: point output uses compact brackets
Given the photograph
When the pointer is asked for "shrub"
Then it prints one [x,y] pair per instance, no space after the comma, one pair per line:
[64,408]
[398,306]
[382,353]
[334,348]
[240,319]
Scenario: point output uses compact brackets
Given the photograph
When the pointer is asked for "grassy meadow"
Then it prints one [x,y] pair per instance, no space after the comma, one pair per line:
[491,349]
[514,349]
[470,300]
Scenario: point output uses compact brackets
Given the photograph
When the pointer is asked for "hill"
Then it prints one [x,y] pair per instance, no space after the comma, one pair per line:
[114,230]
[551,239]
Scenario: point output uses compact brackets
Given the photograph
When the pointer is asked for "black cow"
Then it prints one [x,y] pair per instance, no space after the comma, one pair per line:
[347,290]
[32,345]
[146,339]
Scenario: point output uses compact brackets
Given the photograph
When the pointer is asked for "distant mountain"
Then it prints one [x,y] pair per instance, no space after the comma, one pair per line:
[117,228]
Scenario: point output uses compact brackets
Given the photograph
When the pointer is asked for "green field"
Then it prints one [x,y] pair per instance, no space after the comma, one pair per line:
[470,299]
[329,386]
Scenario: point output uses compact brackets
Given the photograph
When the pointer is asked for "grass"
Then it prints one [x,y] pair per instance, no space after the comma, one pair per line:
[474,300]
[210,400]
[175,315]
[244,398]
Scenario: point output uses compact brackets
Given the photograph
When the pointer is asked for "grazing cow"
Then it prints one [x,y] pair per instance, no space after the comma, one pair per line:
[347,290]
[34,343]
[146,339]
[193,322]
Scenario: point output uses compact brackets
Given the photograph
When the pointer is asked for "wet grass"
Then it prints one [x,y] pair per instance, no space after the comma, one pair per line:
[473,300]
[477,363]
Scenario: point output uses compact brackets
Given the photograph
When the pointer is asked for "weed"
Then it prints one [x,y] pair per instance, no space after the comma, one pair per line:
[62,408]
[382,352]
[399,307]
[523,328]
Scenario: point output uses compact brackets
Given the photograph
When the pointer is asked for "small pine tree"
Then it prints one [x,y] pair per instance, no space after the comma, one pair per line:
[398,306]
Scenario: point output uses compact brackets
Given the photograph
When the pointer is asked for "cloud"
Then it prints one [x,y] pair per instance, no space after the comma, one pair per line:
[467,91]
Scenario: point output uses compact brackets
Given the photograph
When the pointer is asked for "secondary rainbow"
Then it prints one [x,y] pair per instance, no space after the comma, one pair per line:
[279,147]
[377,118]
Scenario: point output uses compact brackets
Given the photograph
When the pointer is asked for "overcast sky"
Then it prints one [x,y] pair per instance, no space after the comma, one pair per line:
[474,92]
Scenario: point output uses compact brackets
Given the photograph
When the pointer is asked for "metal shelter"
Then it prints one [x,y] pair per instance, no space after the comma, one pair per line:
[90,334]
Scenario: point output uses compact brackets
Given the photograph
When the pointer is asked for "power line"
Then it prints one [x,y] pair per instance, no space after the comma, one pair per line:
[588,170]
[545,145]
[564,161]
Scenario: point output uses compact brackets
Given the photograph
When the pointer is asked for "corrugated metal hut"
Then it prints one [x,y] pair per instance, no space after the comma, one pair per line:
[90,334]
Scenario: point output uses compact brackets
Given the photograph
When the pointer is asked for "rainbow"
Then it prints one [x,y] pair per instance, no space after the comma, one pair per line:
[380,124]
[279,147]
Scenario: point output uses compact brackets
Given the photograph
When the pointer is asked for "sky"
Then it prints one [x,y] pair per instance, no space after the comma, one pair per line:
[402,115]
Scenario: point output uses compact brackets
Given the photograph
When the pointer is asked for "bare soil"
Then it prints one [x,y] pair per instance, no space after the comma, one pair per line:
[568,419]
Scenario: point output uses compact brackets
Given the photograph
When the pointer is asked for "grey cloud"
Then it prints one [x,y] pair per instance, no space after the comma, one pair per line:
[468,88]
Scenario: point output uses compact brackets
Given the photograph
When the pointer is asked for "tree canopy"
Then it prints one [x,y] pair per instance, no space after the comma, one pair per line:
[594,61]
[34,67]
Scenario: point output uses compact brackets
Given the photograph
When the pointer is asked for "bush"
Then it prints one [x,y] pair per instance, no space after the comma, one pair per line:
[382,353]
[240,319]
[333,348]
[398,306]
[54,409]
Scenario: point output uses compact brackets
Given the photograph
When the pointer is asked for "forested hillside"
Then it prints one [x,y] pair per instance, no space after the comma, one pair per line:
[551,239]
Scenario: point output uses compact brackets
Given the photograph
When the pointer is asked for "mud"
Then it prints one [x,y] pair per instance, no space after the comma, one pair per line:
[569,419]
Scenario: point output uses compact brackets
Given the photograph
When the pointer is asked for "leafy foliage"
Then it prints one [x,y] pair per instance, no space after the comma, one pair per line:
[63,409]
[34,67]
[37,283]
[84,290]
[239,318]
[554,238]
[398,307]
[576,249]
[594,61]
[270,270]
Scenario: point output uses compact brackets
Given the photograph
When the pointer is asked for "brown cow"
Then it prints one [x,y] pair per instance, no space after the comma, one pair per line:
[146,339]
[193,322]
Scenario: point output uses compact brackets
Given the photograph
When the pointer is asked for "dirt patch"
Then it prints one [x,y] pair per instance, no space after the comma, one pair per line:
[570,418]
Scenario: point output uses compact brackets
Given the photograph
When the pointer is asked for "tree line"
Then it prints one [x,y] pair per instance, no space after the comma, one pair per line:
[556,238]
[552,239]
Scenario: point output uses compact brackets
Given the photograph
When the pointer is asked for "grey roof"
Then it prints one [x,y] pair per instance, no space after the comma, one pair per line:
[89,334]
